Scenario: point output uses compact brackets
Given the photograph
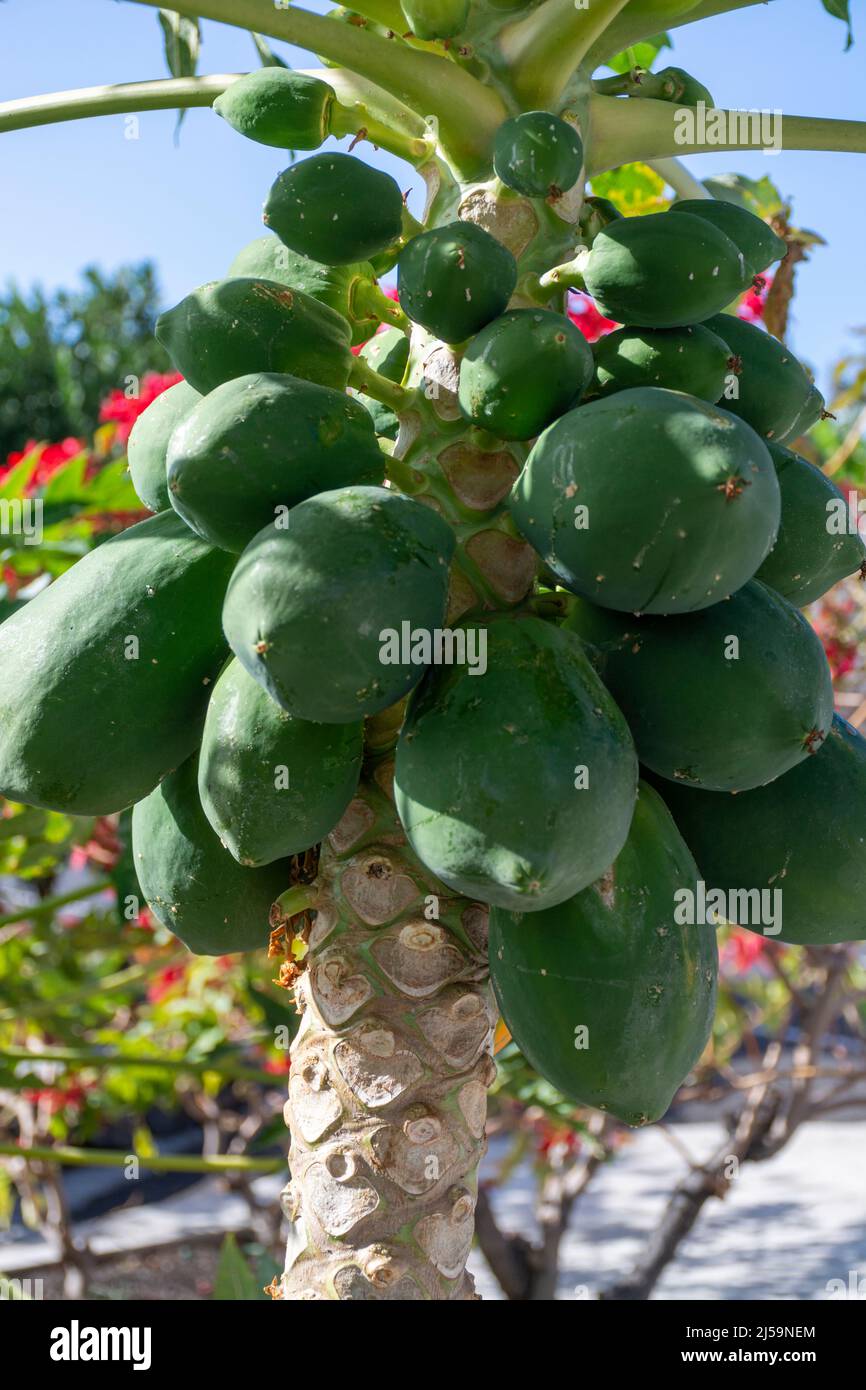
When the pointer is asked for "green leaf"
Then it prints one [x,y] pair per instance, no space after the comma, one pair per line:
[641,55]
[760,196]
[267,56]
[182,42]
[234,1278]
[635,189]
[839,10]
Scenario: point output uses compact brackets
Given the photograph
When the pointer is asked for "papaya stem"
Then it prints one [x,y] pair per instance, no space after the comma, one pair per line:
[295,900]
[165,94]
[544,48]
[468,112]
[677,177]
[361,125]
[369,301]
[625,132]
[635,24]
[568,276]
[372,383]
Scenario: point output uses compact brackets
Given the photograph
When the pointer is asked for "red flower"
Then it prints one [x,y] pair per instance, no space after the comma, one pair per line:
[49,458]
[592,324]
[125,410]
[743,949]
[55,1098]
[753,301]
[163,984]
[277,1066]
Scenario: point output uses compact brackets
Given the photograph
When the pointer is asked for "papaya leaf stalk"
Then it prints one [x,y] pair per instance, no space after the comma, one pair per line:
[468,112]
[637,23]
[543,49]
[625,132]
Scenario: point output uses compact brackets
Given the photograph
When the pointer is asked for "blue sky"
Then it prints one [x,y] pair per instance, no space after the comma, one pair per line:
[82,192]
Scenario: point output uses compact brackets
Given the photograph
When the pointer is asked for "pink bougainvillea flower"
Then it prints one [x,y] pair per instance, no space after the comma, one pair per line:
[752,304]
[163,983]
[743,949]
[55,1098]
[124,410]
[48,458]
[583,313]
[277,1066]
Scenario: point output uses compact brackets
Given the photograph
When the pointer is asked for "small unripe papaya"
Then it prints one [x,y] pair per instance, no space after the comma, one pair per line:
[455,279]
[521,371]
[689,359]
[268,258]
[276,106]
[435,19]
[664,270]
[769,389]
[228,328]
[684,88]
[335,208]
[758,242]
[148,443]
[537,154]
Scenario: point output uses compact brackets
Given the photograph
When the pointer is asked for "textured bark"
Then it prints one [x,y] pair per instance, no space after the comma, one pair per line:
[387,1098]
[390,1068]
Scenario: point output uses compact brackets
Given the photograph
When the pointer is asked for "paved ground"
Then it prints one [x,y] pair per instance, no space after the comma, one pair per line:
[787,1228]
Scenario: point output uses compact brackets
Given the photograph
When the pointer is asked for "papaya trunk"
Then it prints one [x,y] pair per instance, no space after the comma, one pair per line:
[387,1098]
[392,1060]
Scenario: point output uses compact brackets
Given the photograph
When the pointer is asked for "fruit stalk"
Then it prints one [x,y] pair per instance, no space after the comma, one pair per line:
[387,1098]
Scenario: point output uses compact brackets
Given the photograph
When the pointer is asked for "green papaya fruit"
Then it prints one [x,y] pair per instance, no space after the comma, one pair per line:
[258,445]
[537,154]
[650,501]
[664,270]
[689,359]
[230,328]
[725,699]
[311,609]
[385,422]
[515,777]
[148,443]
[770,390]
[812,411]
[387,353]
[522,371]
[454,279]
[683,88]
[343,288]
[104,675]
[435,19]
[606,995]
[191,883]
[277,106]
[758,242]
[271,785]
[816,545]
[336,208]
[798,840]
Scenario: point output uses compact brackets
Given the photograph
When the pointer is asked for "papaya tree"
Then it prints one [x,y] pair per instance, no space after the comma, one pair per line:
[384,670]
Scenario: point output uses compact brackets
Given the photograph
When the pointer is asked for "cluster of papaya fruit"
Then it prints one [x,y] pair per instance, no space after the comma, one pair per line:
[677,536]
